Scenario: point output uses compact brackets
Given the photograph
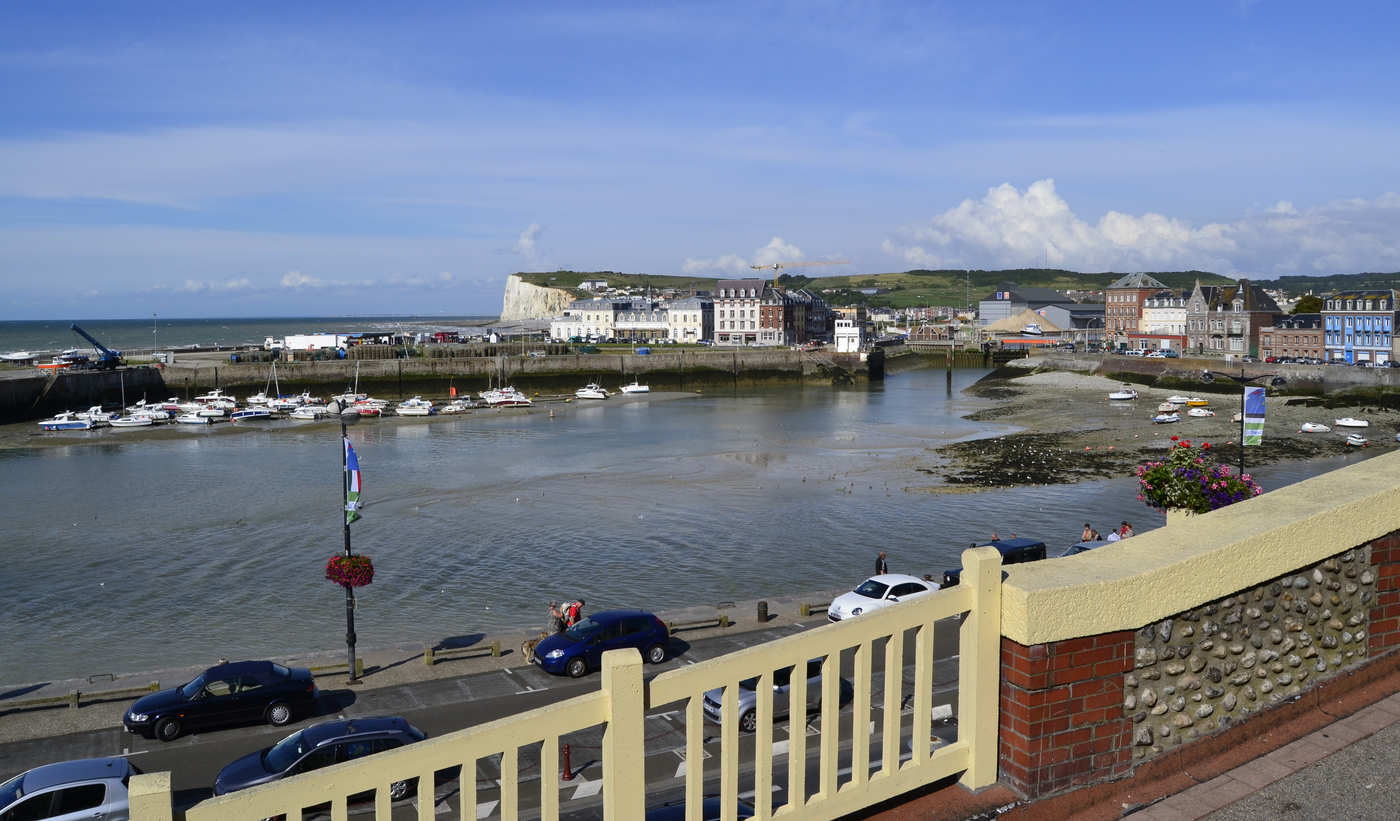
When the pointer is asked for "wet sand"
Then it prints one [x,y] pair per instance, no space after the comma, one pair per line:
[1071,431]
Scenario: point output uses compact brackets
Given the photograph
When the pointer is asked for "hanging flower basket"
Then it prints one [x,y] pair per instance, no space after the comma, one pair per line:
[350,571]
[1190,480]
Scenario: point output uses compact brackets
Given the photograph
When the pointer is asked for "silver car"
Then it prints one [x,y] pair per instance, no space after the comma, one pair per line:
[92,788]
[782,686]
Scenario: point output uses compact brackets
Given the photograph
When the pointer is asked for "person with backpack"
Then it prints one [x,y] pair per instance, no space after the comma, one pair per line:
[573,612]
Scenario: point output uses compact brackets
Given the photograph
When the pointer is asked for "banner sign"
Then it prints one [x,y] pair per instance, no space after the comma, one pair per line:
[1253,416]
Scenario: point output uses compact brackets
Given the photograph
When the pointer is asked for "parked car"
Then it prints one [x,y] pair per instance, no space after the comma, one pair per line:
[877,592]
[1169,354]
[782,688]
[1082,547]
[321,745]
[239,692]
[1248,358]
[711,809]
[1013,551]
[90,788]
[580,648]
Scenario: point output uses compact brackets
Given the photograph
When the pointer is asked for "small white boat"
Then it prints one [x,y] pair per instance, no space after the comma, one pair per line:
[309,413]
[1348,422]
[97,415]
[1200,413]
[507,397]
[1238,417]
[1313,427]
[139,420]
[213,411]
[17,356]
[1123,393]
[417,406]
[216,397]
[591,391]
[1356,440]
[68,420]
[1166,407]
[1166,418]
[1197,402]
[1178,400]
[457,406]
[249,414]
[259,398]
[636,387]
[1033,329]
[194,419]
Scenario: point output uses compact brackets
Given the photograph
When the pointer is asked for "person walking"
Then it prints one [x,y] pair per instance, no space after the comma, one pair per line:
[1126,530]
[881,566]
[556,618]
[574,612]
[1087,534]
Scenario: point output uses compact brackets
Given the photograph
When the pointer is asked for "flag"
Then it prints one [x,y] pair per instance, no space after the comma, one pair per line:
[352,484]
[1253,416]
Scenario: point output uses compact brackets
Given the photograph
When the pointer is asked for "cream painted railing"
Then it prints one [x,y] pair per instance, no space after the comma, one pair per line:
[620,707]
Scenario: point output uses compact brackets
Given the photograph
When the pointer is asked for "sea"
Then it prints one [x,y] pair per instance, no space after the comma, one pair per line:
[156,332]
[127,555]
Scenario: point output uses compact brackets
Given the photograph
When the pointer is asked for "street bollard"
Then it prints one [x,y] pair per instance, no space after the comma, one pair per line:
[568,770]
[763,612]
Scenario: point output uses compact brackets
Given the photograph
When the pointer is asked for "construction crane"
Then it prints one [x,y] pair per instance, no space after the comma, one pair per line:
[778,266]
[107,359]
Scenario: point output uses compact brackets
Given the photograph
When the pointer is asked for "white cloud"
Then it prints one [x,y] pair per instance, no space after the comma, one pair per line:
[296,279]
[525,244]
[777,250]
[196,286]
[1009,228]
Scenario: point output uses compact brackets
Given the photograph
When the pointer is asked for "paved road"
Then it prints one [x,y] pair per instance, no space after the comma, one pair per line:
[444,705]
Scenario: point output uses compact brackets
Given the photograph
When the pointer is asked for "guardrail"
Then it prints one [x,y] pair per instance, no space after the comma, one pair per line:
[73,699]
[804,610]
[621,703]
[432,655]
[675,627]
[341,667]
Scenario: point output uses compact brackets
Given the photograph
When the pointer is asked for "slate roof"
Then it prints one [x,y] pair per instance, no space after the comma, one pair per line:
[1254,297]
[1138,280]
[1299,322]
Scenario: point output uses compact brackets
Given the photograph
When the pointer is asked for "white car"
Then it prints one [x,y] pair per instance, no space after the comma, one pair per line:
[877,592]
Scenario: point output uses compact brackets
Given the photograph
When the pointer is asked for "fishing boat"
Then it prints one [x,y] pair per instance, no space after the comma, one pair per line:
[1123,393]
[98,416]
[1166,418]
[1313,427]
[1033,329]
[636,387]
[1200,413]
[138,420]
[1356,440]
[591,391]
[216,397]
[1197,402]
[1348,422]
[250,414]
[417,406]
[68,420]
[194,419]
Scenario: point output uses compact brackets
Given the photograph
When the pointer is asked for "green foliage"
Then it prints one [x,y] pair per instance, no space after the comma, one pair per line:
[1295,285]
[1308,305]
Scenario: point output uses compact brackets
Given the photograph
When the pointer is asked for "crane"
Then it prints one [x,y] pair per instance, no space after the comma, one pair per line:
[778,266]
[107,359]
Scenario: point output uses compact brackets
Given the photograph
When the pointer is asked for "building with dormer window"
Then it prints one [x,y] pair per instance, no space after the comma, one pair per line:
[1227,319]
[736,311]
[1358,326]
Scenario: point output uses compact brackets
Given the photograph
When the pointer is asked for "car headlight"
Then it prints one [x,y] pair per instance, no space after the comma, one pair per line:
[554,654]
[856,611]
[135,716]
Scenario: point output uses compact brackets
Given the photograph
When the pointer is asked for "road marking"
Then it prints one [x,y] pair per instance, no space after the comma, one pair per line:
[942,711]
[680,769]
[520,680]
[439,807]
[780,748]
[485,808]
[587,789]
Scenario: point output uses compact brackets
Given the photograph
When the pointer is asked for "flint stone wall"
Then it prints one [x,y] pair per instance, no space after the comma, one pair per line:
[1213,666]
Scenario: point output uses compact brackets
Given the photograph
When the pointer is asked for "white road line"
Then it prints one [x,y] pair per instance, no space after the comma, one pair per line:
[485,808]
[439,807]
[587,789]
[680,769]
[780,748]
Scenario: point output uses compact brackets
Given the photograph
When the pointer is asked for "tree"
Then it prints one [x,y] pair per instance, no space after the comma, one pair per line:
[1308,305]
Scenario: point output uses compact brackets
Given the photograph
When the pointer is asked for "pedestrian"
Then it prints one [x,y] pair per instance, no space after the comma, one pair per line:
[1095,537]
[1087,534]
[1127,529]
[556,618]
[881,566]
[1113,536]
[574,612]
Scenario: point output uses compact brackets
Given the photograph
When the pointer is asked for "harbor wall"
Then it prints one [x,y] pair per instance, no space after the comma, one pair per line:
[35,395]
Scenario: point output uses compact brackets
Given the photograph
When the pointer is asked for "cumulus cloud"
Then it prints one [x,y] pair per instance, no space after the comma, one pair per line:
[525,244]
[1009,228]
[197,286]
[777,250]
[298,280]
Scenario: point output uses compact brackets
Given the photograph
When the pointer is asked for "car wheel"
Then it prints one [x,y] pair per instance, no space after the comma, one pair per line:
[576,667]
[398,790]
[279,713]
[656,654]
[168,729]
[748,722]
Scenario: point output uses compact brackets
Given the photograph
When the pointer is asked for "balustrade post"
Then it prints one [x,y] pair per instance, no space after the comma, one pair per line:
[624,740]
[150,798]
[979,666]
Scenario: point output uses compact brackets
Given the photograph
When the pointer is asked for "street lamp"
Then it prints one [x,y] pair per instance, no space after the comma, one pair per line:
[347,417]
[1208,376]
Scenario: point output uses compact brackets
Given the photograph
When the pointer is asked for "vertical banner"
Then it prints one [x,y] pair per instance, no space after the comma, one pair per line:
[1253,416]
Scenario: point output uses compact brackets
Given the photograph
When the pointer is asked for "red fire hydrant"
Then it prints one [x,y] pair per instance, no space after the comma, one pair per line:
[568,770]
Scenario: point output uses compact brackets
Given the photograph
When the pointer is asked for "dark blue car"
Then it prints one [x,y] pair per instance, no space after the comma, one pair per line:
[580,648]
[241,692]
[321,745]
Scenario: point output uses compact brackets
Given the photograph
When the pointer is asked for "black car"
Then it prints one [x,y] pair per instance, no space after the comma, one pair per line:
[321,745]
[1013,551]
[240,692]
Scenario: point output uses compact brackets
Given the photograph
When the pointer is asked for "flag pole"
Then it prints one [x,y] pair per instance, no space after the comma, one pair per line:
[345,517]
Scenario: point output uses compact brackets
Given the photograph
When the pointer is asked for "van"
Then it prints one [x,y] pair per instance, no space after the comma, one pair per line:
[1013,551]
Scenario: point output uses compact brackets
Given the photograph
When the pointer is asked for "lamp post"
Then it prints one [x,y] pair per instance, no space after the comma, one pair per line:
[347,417]
[1209,376]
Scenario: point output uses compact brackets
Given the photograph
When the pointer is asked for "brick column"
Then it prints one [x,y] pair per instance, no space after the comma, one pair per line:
[1062,718]
[1385,613]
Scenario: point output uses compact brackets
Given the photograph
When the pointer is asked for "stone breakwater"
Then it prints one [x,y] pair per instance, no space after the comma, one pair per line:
[1216,665]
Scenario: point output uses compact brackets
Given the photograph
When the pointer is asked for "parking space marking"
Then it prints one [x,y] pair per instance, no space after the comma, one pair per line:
[485,808]
[587,789]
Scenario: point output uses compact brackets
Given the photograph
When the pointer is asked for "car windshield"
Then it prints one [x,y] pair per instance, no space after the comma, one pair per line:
[9,791]
[284,753]
[872,589]
[192,689]
[584,630]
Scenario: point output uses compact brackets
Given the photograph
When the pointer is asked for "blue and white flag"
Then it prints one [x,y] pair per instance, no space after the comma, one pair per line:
[1253,416]
[352,484]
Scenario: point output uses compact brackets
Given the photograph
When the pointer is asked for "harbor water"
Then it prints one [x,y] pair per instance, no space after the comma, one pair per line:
[130,555]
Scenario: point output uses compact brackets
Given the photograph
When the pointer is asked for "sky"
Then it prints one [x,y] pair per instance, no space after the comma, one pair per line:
[313,158]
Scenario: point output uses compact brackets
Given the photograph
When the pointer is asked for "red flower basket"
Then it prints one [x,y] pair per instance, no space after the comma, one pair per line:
[350,571]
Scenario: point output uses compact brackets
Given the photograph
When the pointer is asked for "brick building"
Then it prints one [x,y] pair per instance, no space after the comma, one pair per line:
[1123,303]
[1299,335]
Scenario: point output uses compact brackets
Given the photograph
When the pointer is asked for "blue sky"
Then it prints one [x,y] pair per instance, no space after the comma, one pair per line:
[345,157]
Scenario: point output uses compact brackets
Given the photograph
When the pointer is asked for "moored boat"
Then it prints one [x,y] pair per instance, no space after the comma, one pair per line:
[417,406]
[1313,427]
[1197,402]
[1348,422]
[1356,440]
[1123,393]
[68,420]
[591,391]
[309,413]
[249,414]
[636,387]
[1166,407]
[1166,418]
[194,419]
[1178,400]
[137,420]
[507,397]
[1200,413]
[457,406]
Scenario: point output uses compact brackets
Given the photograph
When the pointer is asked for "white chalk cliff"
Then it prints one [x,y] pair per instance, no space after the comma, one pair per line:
[526,301]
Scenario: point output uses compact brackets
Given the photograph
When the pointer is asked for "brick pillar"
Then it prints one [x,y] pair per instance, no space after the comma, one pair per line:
[1062,718]
[1385,613]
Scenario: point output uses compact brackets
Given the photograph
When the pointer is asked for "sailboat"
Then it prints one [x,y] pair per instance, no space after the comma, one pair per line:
[351,395]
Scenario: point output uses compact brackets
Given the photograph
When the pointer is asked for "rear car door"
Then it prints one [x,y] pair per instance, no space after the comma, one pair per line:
[33,808]
[905,590]
[79,801]
[782,687]
[252,697]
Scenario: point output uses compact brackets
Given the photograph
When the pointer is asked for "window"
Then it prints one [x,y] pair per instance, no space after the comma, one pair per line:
[31,809]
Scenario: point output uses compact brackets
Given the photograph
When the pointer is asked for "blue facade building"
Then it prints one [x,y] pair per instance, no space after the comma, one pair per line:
[1358,326]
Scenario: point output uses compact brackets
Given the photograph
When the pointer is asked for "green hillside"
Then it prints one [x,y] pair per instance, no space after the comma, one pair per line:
[954,287]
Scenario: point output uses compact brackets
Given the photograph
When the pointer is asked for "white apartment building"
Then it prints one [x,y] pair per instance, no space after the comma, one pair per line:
[690,319]
[596,317]
[736,311]
[1164,313]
